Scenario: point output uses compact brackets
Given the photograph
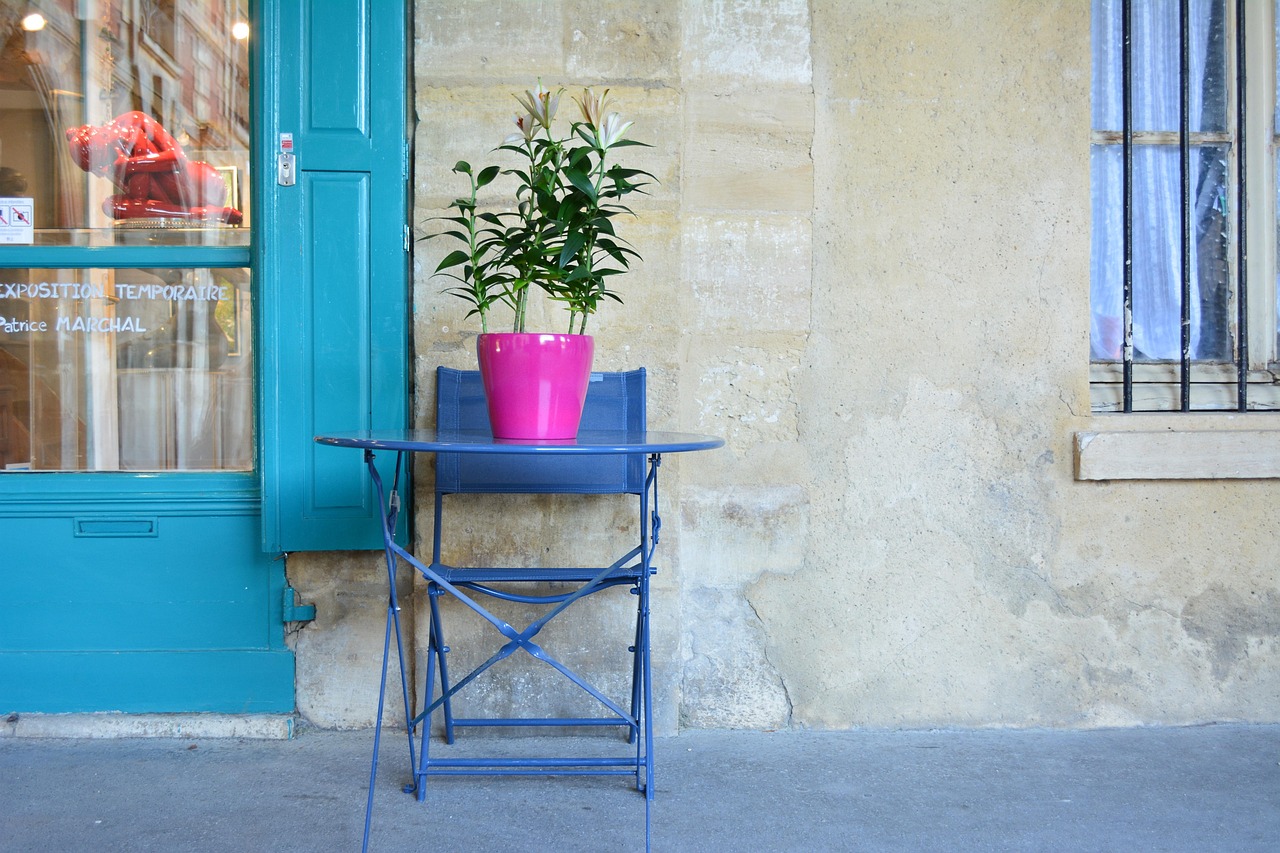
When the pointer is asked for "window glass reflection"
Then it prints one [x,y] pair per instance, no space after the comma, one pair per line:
[125,122]
[126,370]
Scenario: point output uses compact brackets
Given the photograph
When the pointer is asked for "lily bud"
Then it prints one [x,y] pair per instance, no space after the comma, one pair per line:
[593,107]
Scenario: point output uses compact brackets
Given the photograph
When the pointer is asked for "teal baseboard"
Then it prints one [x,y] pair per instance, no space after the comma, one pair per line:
[221,681]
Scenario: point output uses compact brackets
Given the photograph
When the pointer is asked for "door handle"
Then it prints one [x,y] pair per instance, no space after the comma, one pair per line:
[286,169]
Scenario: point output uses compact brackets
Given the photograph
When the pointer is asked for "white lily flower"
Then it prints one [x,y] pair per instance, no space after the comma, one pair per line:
[612,131]
[528,126]
[541,104]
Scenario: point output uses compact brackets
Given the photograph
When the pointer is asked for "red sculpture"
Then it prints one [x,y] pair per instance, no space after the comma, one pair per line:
[155,178]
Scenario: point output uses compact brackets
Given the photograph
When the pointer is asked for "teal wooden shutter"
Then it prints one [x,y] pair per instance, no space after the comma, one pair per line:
[335,282]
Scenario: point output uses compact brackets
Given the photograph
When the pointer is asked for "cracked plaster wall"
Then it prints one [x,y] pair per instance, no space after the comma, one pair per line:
[866,266]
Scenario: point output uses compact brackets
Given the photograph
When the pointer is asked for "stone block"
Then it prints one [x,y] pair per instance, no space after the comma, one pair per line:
[747,274]
[339,655]
[746,43]
[744,390]
[729,536]
[728,680]
[638,40]
[749,150]
[493,39]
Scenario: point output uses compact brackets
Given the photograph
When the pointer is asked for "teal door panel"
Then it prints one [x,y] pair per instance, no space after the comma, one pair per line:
[336,65]
[336,326]
[118,592]
[335,302]
[154,602]
[233,681]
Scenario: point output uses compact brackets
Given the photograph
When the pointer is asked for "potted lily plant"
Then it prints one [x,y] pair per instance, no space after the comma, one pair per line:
[557,241]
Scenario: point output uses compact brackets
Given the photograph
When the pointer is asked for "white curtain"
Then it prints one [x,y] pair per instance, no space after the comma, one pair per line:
[1157,208]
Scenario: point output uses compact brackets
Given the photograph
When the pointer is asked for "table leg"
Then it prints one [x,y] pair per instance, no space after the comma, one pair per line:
[389,510]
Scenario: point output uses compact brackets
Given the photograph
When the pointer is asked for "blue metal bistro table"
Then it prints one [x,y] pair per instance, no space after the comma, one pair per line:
[462,450]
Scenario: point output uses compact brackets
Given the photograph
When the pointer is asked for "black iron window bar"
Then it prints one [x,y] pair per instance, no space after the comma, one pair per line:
[1184,150]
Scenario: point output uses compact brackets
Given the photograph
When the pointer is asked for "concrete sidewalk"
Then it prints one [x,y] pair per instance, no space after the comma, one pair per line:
[1212,788]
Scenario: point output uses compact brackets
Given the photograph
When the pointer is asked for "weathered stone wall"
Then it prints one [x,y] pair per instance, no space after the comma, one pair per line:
[866,267]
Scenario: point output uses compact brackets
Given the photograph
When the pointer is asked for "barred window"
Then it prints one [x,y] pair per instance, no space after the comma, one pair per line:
[1183,282]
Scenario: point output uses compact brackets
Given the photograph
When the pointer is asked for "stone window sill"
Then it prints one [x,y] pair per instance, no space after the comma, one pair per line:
[1179,447]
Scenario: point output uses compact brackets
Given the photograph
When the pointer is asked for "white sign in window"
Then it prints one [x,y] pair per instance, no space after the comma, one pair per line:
[16,218]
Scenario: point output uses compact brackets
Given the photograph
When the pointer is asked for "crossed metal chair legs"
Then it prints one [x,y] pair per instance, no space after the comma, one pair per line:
[634,719]
[633,570]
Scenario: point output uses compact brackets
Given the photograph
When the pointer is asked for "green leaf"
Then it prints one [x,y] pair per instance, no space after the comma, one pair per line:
[462,167]
[453,259]
[486,176]
[582,183]
[569,210]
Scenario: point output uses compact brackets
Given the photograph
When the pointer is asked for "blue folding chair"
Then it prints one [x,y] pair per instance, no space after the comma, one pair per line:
[615,402]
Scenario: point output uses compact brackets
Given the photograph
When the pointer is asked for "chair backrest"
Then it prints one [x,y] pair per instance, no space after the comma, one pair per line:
[615,401]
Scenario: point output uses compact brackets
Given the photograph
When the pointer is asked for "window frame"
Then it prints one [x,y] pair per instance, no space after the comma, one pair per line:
[47,487]
[1207,445]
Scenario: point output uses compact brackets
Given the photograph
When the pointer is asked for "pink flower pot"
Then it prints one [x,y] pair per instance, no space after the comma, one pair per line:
[535,384]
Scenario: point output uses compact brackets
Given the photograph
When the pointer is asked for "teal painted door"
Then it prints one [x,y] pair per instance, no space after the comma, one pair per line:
[336,315]
[146,328]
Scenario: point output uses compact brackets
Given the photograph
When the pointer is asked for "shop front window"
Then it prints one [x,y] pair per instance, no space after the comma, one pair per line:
[124,126]
[126,369]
